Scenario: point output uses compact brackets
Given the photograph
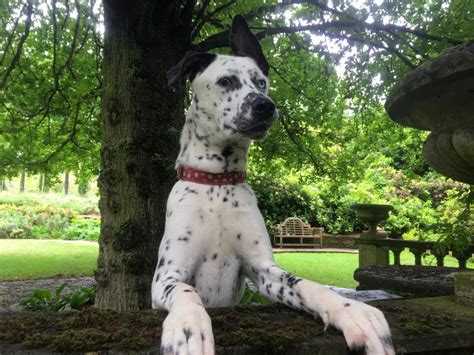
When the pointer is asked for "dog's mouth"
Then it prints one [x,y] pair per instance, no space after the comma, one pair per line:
[257,131]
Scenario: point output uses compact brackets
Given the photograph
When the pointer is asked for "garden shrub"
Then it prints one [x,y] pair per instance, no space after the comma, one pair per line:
[279,200]
[83,229]
[45,222]
[424,208]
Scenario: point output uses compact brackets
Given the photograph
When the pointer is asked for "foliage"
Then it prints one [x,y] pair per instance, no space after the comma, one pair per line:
[252,297]
[45,222]
[83,229]
[75,204]
[282,200]
[47,301]
[456,227]
[49,113]
[419,202]
[332,64]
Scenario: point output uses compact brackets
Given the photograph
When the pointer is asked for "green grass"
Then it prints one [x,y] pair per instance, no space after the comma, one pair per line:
[31,259]
[337,269]
[326,268]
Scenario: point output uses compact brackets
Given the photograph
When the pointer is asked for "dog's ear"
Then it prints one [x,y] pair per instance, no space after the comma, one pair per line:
[191,64]
[245,44]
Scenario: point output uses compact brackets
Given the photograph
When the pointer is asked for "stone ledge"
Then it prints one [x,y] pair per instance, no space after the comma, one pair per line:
[423,281]
[418,326]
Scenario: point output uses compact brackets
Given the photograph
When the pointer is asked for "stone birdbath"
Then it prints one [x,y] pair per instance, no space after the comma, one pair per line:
[373,215]
[438,96]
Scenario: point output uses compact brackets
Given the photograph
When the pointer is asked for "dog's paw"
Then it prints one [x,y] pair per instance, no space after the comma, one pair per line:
[187,330]
[363,326]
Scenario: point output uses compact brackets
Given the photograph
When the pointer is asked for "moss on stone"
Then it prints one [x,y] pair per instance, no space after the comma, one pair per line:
[250,330]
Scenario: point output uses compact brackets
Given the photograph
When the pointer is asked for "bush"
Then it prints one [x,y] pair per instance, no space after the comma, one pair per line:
[74,204]
[83,229]
[277,201]
[319,204]
[35,222]
[420,203]
[45,222]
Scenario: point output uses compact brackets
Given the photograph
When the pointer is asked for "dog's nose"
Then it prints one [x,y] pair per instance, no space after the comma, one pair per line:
[263,107]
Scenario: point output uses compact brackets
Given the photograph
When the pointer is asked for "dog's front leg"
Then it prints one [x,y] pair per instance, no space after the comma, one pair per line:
[363,326]
[187,329]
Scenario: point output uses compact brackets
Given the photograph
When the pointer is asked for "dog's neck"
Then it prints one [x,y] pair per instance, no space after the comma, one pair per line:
[203,148]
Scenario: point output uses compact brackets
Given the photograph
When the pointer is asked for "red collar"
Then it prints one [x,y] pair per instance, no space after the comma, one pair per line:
[203,177]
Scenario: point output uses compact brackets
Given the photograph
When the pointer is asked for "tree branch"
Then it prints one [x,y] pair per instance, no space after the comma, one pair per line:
[220,39]
[11,35]
[209,18]
[16,57]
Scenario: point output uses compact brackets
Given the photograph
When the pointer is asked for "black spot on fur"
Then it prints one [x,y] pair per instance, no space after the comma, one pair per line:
[188,333]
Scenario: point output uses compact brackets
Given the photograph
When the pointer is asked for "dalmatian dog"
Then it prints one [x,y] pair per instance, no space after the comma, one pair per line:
[215,236]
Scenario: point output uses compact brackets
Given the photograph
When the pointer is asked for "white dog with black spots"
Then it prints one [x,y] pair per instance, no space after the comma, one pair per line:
[215,236]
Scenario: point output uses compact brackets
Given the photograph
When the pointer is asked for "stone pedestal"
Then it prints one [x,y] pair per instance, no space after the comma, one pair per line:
[370,254]
[464,287]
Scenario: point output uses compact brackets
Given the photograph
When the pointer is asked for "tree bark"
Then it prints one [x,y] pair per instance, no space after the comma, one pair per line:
[22,181]
[141,119]
[46,182]
[40,183]
[66,183]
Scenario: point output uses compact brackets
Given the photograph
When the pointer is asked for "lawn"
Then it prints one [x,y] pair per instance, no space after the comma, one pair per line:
[326,268]
[337,269]
[28,259]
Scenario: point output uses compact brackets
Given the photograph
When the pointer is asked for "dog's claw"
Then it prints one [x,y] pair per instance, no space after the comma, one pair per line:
[365,327]
[189,331]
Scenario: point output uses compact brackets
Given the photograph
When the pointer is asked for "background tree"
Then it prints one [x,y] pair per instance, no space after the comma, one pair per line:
[49,116]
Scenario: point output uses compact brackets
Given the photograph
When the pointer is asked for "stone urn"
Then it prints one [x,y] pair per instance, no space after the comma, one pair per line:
[438,96]
[373,215]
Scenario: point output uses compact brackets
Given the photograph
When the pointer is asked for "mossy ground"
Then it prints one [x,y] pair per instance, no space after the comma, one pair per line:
[270,329]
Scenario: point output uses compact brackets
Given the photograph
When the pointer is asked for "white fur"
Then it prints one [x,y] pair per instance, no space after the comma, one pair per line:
[215,235]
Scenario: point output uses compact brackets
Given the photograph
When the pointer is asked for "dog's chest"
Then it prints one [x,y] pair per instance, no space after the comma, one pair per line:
[211,232]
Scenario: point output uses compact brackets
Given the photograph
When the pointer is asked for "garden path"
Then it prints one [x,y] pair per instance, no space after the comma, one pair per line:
[12,292]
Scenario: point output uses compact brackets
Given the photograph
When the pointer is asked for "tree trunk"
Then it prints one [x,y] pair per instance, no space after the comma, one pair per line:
[141,119]
[22,181]
[40,183]
[46,182]
[82,185]
[66,182]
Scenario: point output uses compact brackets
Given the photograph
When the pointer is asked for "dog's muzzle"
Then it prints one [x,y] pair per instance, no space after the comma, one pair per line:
[261,113]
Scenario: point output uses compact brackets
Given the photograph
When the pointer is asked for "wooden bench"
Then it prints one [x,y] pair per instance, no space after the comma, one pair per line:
[294,232]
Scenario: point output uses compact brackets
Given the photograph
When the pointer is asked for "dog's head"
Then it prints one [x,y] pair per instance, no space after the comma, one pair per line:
[230,92]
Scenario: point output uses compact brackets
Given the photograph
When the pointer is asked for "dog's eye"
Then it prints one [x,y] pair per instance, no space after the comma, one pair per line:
[224,82]
[262,84]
